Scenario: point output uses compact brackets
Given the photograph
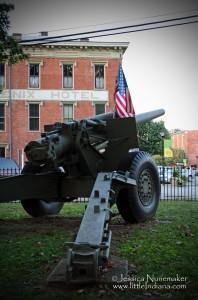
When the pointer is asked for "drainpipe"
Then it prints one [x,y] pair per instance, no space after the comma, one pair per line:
[10,109]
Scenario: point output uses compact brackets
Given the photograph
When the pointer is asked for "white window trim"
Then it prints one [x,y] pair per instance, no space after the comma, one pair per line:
[34,63]
[70,103]
[5,114]
[40,104]
[5,145]
[101,102]
[73,64]
[5,75]
[103,63]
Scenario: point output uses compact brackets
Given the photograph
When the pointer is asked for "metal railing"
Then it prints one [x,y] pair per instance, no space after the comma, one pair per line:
[176,183]
[5,172]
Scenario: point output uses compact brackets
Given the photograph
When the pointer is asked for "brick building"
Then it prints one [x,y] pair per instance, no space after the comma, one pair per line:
[57,83]
[187,141]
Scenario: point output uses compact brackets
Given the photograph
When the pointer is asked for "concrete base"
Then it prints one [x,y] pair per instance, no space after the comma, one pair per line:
[117,269]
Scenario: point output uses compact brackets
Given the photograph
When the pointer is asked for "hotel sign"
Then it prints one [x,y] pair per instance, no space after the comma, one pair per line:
[55,95]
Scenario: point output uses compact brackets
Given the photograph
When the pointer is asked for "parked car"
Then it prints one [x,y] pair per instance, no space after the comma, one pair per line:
[193,171]
[188,172]
[8,167]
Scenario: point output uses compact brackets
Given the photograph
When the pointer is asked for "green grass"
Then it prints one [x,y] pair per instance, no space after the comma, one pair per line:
[163,247]
[14,211]
[168,246]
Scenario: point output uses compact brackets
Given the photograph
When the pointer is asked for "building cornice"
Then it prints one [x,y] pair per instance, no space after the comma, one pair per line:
[82,44]
[78,49]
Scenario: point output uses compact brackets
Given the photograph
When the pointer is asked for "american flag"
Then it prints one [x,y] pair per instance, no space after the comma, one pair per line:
[123,101]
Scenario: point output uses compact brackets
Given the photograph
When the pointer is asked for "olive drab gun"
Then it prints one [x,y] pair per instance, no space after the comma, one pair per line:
[97,158]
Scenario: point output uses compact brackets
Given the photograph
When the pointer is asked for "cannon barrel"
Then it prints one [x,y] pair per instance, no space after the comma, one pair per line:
[140,118]
[57,142]
[150,115]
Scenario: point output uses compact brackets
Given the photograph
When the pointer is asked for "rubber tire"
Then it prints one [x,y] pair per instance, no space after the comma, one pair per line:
[39,208]
[128,199]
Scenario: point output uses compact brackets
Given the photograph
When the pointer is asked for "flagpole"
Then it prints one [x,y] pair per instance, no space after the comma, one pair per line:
[120,63]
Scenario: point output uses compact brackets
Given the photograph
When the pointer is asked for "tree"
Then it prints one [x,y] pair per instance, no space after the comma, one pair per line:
[149,136]
[158,159]
[10,50]
[179,155]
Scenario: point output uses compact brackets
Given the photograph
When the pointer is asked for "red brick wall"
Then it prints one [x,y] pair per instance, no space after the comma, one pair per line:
[188,141]
[50,73]
[83,109]
[52,111]
[19,76]
[192,146]
[83,73]
[4,135]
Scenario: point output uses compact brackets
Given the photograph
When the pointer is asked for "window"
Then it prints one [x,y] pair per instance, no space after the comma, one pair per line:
[2,116]
[34,112]
[2,151]
[67,112]
[2,76]
[68,76]
[99,76]
[99,108]
[34,75]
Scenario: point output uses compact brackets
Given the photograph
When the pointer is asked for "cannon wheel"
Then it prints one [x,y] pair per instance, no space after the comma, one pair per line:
[39,208]
[139,203]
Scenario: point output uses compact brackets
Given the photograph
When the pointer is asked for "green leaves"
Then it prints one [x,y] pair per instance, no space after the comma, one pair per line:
[4,20]
[10,50]
[149,136]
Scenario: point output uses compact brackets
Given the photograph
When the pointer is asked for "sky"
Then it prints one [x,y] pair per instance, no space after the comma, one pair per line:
[161,66]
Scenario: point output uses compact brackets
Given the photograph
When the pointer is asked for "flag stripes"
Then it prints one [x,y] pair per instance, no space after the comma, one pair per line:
[123,101]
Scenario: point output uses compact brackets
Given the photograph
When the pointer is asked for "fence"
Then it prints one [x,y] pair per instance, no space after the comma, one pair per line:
[176,183]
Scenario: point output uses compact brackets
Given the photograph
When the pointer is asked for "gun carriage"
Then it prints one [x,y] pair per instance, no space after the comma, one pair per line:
[98,158]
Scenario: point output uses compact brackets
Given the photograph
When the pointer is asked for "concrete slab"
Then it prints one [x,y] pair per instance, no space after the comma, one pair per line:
[117,268]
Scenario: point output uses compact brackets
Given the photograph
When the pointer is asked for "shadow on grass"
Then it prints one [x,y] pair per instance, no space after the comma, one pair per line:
[163,247]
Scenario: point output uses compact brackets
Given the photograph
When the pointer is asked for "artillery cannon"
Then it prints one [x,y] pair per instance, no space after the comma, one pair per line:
[96,158]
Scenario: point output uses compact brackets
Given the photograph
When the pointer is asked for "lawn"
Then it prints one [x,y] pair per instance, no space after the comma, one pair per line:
[164,249]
